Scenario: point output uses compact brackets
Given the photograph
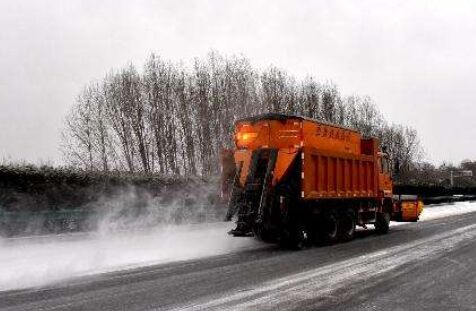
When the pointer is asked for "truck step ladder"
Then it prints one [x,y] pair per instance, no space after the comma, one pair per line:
[253,200]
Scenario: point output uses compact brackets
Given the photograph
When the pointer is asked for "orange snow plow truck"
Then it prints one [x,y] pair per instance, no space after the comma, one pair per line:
[294,180]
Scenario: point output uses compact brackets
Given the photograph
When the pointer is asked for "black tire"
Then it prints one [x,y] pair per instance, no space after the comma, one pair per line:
[330,228]
[347,224]
[296,238]
[382,223]
[300,238]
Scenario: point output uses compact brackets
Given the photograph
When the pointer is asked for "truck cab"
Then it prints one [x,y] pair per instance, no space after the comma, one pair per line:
[385,183]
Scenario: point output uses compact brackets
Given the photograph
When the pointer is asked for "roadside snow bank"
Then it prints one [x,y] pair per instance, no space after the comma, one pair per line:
[444,210]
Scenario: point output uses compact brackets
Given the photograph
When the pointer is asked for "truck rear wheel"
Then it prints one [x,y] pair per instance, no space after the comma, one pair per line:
[330,228]
[300,238]
[347,223]
[297,238]
[382,222]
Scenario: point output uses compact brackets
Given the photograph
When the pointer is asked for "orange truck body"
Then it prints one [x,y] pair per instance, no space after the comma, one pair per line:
[336,161]
[327,167]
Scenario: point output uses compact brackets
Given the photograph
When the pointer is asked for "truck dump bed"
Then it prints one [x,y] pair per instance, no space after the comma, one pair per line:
[336,162]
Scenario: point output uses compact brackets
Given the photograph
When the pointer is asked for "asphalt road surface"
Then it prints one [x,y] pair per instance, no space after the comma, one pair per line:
[429,265]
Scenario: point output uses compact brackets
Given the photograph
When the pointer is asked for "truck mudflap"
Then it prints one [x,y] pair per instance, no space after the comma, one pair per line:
[407,208]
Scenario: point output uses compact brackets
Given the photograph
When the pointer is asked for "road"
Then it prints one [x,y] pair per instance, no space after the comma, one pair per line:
[429,265]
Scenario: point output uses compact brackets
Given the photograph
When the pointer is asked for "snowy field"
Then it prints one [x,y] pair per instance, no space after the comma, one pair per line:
[37,261]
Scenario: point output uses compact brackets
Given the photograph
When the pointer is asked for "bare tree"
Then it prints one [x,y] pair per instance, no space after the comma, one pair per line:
[174,120]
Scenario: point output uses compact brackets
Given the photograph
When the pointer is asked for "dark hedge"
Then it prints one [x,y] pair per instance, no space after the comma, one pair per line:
[46,188]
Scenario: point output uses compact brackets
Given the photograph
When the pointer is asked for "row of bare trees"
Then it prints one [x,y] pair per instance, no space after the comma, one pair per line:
[173,119]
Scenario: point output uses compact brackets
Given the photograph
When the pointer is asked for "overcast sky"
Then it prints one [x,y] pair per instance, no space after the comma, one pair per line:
[416,59]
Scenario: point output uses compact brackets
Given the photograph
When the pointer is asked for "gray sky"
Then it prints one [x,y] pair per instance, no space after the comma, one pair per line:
[416,59]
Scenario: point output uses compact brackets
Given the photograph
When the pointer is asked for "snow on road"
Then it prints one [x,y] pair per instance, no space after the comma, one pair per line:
[37,261]
[288,293]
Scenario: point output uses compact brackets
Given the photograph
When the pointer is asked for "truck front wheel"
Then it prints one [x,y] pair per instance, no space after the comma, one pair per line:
[382,223]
